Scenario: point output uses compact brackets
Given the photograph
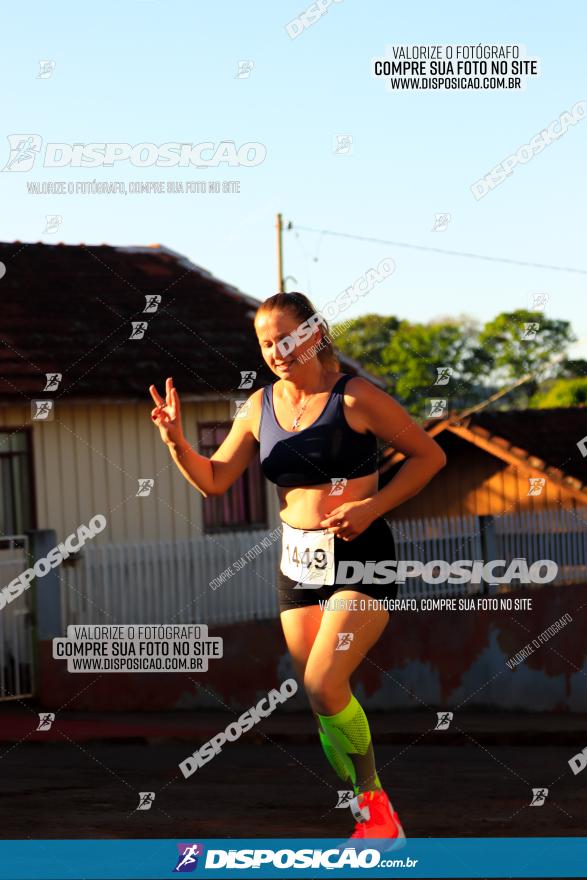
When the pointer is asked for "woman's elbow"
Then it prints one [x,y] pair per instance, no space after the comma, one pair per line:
[211,491]
[439,458]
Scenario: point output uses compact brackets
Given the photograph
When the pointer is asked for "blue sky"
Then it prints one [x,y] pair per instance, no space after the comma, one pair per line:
[150,71]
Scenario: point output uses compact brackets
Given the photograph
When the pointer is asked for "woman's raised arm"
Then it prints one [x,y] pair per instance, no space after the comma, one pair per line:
[210,476]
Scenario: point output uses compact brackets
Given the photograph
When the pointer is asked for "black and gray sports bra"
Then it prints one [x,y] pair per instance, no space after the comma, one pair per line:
[328,448]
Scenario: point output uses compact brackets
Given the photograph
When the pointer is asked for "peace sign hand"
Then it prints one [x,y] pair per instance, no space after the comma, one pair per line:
[167,414]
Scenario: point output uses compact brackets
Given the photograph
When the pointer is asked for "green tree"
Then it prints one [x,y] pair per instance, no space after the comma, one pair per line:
[417,352]
[365,338]
[408,355]
[562,392]
[481,359]
[573,369]
[523,342]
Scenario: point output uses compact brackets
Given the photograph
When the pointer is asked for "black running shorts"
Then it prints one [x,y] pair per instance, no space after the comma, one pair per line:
[375,544]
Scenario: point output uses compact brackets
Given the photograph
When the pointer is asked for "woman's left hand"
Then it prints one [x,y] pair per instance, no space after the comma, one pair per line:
[350,519]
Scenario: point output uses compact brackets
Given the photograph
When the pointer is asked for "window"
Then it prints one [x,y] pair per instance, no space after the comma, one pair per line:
[16,503]
[243,505]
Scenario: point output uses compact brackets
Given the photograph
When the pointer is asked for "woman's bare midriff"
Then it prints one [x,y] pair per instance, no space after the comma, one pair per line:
[304,507]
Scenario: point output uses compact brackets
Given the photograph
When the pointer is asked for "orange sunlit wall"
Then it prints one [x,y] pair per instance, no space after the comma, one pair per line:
[476,482]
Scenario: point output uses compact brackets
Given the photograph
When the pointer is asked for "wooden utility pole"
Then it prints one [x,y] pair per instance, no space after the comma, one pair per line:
[279,227]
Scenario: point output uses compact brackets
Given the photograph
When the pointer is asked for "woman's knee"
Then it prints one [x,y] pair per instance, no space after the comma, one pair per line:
[324,686]
[299,665]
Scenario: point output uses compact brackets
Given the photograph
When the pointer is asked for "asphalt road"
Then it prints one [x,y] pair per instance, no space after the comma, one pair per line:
[90,790]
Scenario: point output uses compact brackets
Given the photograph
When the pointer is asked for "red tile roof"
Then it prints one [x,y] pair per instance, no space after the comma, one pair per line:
[546,437]
[69,308]
[543,440]
[535,440]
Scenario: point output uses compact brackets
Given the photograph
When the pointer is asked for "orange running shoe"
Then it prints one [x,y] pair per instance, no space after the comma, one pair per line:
[376,818]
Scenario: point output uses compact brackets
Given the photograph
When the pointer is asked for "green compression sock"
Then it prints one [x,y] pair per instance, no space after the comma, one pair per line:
[340,763]
[349,735]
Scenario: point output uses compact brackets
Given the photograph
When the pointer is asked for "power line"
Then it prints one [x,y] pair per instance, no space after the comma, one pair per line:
[449,253]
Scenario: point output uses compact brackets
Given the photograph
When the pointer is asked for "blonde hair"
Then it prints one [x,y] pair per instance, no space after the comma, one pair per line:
[300,306]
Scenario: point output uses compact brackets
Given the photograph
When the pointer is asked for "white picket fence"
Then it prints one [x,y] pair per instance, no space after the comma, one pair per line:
[425,540]
[170,581]
[181,581]
[558,534]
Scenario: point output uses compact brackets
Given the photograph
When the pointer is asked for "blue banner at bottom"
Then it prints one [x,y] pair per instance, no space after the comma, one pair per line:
[292,857]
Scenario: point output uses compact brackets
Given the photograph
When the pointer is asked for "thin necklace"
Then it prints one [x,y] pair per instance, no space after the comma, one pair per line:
[300,412]
[296,421]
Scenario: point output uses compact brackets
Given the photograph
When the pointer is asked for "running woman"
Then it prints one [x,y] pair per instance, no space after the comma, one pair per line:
[316,431]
